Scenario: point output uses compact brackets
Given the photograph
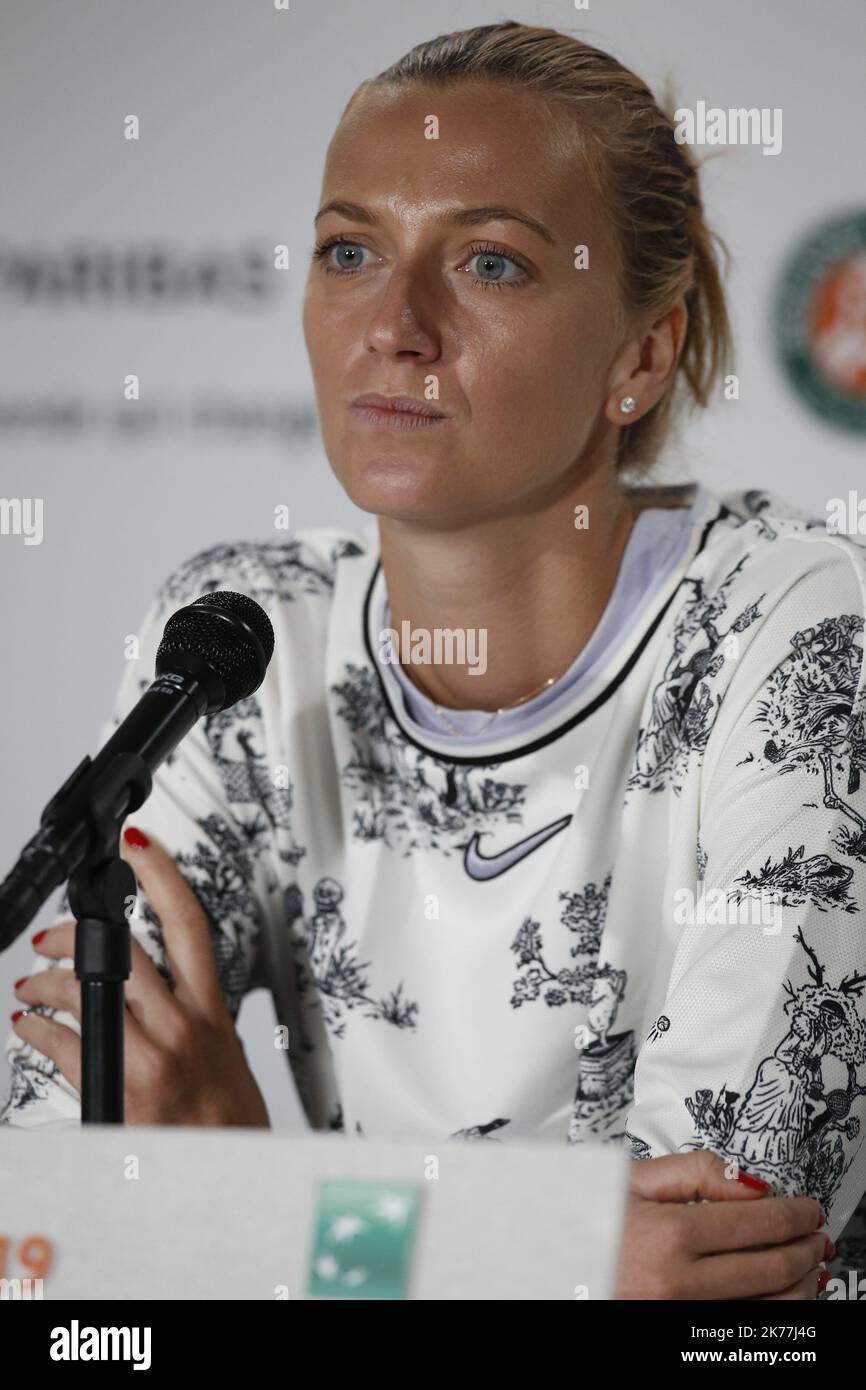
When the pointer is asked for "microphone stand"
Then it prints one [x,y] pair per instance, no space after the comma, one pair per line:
[100,890]
[214,652]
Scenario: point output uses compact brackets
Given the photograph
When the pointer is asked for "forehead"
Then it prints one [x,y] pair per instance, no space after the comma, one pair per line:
[496,144]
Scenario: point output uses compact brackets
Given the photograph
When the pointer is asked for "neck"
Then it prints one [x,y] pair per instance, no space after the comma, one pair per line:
[534,583]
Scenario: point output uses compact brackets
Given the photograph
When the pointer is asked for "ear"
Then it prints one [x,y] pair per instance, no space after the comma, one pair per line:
[645,368]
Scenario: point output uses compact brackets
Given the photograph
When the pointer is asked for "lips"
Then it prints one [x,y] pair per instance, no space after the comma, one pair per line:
[398,405]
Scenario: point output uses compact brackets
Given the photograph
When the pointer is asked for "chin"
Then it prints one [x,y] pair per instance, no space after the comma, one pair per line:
[402,488]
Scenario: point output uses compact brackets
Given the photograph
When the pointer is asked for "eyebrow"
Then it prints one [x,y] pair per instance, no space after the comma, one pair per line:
[459,217]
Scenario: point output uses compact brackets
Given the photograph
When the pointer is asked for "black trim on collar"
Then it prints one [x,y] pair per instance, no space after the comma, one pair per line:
[509,755]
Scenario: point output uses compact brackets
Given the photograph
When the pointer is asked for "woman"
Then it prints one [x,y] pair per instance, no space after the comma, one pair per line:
[489,826]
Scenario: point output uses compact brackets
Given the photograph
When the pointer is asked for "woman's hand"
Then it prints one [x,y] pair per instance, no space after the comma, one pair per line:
[736,1244]
[184,1062]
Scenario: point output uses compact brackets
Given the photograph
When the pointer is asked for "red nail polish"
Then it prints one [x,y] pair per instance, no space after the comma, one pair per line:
[19,983]
[823,1280]
[135,838]
[19,1013]
[35,940]
[822,1217]
[829,1249]
[757,1184]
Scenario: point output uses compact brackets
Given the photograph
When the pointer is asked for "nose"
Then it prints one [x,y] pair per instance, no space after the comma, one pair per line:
[402,322]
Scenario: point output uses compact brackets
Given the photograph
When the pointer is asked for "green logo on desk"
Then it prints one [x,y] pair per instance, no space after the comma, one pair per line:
[363,1240]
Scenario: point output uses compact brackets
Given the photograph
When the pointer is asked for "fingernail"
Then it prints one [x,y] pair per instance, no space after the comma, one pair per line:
[823,1279]
[829,1249]
[35,940]
[19,983]
[19,1013]
[749,1181]
[822,1217]
[135,838]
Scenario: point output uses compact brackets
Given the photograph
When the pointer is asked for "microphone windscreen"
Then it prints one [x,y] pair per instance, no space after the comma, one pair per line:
[225,633]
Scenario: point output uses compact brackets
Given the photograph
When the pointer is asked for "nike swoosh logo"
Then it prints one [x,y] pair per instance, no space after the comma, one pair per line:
[484,866]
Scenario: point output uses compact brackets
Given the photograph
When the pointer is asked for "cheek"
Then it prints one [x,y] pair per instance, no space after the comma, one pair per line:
[324,330]
[577,357]
[533,391]
[542,356]
[313,335]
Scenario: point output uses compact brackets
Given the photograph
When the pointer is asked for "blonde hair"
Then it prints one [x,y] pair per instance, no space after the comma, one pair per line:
[645,180]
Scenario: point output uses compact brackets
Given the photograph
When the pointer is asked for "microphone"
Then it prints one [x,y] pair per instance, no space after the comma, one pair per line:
[213,652]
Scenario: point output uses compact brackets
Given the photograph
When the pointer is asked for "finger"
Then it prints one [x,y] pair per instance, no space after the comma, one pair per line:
[148,997]
[717,1226]
[59,1043]
[62,1043]
[185,927]
[53,989]
[688,1177]
[805,1291]
[755,1273]
[58,943]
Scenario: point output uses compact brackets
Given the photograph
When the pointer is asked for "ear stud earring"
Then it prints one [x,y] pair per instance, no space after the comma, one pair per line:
[627,405]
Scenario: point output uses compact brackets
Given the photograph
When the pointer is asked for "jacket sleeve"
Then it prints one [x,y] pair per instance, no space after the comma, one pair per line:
[759,1050]
[191,811]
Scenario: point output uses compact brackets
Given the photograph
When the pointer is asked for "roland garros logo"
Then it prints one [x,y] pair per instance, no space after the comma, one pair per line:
[820,321]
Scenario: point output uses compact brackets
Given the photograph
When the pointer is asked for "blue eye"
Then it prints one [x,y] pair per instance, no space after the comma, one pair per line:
[353,263]
[492,260]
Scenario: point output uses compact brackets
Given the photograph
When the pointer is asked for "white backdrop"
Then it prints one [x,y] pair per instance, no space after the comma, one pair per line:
[237,102]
